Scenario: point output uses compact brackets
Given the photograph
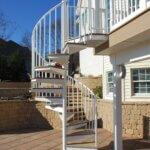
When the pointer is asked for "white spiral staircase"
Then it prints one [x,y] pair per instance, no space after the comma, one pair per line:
[58,34]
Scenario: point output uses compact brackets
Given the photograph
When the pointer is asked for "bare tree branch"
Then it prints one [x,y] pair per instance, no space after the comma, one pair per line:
[7,27]
[26,40]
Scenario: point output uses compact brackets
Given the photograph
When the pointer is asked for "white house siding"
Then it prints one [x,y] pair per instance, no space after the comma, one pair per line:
[128,79]
[90,64]
[127,57]
[107,68]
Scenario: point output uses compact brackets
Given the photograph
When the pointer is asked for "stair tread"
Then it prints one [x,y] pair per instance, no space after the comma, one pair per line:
[47,78]
[49,66]
[55,105]
[83,145]
[57,109]
[48,88]
[59,54]
[76,122]
[80,132]
[74,107]
[48,97]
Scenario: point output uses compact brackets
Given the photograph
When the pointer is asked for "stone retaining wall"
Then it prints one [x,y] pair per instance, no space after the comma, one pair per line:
[26,114]
[29,114]
[135,117]
[5,85]
[14,89]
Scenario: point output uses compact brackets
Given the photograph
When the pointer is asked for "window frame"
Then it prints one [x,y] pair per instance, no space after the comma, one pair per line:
[139,81]
[108,83]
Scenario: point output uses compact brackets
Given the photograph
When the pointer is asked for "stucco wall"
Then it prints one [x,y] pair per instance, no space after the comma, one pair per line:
[135,117]
[25,114]
[90,64]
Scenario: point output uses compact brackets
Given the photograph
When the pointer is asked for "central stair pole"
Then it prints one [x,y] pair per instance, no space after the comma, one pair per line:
[63,39]
[64,109]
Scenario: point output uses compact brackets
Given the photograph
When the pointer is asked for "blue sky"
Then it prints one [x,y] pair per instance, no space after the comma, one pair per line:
[25,13]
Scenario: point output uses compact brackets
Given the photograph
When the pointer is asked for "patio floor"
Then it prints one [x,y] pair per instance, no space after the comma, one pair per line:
[51,140]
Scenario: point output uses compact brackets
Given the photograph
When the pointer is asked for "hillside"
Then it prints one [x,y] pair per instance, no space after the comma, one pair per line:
[15,61]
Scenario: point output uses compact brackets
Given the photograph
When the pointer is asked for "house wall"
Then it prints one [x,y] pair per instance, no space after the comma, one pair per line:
[19,114]
[107,67]
[126,57]
[88,61]
[90,64]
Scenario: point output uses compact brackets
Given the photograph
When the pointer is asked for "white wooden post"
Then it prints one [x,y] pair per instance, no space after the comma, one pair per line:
[117,108]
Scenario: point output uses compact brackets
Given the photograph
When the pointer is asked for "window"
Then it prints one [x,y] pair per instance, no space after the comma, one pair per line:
[110,82]
[141,81]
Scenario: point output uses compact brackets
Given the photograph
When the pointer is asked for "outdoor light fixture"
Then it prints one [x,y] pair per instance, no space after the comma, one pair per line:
[122,71]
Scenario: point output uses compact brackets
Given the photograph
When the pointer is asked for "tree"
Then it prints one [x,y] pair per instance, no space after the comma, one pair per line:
[17,67]
[7,27]
[26,40]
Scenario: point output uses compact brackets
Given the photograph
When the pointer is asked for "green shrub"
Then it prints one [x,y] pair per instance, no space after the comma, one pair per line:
[99,92]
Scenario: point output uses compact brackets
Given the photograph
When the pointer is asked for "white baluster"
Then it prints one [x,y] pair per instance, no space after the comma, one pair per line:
[55,31]
[50,22]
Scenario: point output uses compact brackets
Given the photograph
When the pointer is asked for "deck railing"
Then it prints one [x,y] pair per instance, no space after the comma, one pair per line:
[122,11]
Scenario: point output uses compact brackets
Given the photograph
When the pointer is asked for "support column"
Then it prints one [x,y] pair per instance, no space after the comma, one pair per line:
[64,121]
[63,40]
[117,108]
[64,31]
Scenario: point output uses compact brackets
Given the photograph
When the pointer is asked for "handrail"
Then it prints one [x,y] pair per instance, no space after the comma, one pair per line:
[48,13]
[88,103]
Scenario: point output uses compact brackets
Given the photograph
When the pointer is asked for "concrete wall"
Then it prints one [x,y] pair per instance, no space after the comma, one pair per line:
[25,114]
[135,117]
[90,64]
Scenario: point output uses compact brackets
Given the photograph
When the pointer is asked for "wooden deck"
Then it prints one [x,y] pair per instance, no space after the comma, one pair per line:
[51,140]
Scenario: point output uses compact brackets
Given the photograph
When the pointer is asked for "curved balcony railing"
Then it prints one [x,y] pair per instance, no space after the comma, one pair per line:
[66,22]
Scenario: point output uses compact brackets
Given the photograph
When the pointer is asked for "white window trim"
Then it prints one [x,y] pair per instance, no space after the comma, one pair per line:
[138,95]
[109,94]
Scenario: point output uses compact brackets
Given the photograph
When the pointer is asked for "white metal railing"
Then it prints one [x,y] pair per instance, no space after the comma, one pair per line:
[65,23]
[122,11]
[84,100]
